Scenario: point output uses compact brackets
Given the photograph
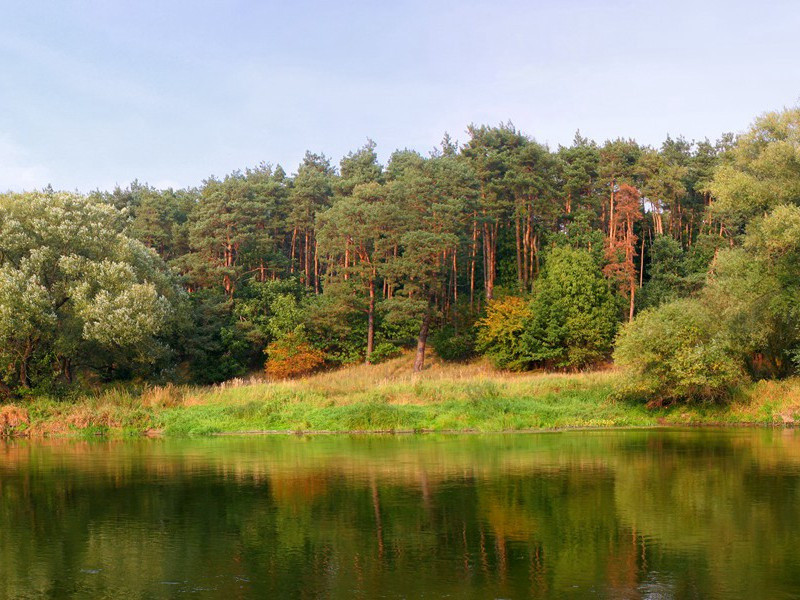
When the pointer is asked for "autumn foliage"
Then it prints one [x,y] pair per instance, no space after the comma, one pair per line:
[291,356]
[621,249]
[500,332]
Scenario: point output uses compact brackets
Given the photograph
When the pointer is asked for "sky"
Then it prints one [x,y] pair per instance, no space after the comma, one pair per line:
[97,93]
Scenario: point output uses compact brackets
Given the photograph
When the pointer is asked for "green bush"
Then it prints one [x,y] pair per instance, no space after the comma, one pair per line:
[574,313]
[383,351]
[452,345]
[676,353]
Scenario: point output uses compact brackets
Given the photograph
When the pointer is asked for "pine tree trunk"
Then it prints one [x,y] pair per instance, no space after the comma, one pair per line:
[612,230]
[346,260]
[316,267]
[294,241]
[473,257]
[490,251]
[422,340]
[520,267]
[66,369]
[633,296]
[371,319]
[641,265]
[307,260]
[455,279]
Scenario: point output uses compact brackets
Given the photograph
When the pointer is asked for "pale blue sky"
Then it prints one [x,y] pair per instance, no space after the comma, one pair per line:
[99,92]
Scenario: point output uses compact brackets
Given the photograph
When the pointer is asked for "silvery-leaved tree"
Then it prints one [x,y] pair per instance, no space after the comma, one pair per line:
[75,290]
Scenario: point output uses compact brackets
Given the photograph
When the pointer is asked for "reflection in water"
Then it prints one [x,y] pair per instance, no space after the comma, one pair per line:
[619,514]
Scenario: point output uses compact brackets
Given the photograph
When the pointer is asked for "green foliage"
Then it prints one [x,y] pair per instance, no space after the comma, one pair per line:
[579,233]
[454,345]
[384,351]
[699,257]
[761,170]
[213,347]
[335,325]
[745,320]
[75,290]
[267,310]
[677,352]
[759,309]
[574,313]
[367,259]
[675,273]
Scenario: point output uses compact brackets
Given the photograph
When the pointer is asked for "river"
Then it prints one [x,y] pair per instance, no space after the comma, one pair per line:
[702,513]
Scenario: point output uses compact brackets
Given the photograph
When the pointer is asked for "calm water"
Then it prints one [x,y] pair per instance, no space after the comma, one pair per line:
[624,514]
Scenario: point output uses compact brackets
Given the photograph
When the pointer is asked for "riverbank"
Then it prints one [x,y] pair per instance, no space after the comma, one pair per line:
[389,398]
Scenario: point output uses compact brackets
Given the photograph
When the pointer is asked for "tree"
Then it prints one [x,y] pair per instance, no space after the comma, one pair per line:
[359,167]
[74,289]
[663,189]
[760,171]
[668,274]
[531,178]
[618,165]
[677,352]
[358,234]
[428,236]
[579,165]
[621,249]
[230,232]
[490,153]
[574,312]
[745,321]
[311,193]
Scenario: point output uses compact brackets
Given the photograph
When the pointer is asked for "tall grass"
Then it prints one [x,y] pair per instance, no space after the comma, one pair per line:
[388,397]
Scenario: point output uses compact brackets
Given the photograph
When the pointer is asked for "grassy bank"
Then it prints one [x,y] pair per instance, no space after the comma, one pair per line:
[388,397]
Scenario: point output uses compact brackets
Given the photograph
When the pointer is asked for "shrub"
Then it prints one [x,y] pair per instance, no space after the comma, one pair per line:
[12,417]
[499,333]
[383,351]
[574,312]
[453,345]
[291,356]
[675,353]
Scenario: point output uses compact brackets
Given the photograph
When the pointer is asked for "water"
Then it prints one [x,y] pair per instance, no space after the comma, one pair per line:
[604,514]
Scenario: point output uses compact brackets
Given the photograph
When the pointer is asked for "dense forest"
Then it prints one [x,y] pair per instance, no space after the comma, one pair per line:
[681,262]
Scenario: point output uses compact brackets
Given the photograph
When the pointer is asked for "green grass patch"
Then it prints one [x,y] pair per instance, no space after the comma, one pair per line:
[388,397]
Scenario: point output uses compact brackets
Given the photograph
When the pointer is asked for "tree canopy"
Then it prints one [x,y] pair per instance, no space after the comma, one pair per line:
[530,255]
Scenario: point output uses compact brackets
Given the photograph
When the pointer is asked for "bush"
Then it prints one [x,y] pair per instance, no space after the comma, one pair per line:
[675,353]
[574,312]
[499,333]
[452,345]
[291,356]
[383,351]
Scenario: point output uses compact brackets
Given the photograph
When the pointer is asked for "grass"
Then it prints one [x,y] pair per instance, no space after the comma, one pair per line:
[389,397]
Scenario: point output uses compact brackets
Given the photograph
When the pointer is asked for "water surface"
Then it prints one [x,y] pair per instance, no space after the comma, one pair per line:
[605,514]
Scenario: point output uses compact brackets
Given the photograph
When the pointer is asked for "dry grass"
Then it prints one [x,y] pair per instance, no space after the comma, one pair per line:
[390,397]
[398,373]
[13,417]
[164,396]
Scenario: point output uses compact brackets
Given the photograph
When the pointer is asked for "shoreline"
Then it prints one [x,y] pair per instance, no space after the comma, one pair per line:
[159,434]
[385,399]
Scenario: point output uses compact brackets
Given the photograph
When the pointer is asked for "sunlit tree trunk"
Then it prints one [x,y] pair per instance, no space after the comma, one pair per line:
[371,318]
[422,339]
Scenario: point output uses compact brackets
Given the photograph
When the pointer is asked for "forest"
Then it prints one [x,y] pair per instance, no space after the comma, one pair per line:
[681,264]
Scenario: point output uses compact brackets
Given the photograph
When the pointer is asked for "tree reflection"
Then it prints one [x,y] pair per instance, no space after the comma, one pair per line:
[620,514]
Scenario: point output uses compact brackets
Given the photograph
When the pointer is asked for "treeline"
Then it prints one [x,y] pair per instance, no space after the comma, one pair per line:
[499,245]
